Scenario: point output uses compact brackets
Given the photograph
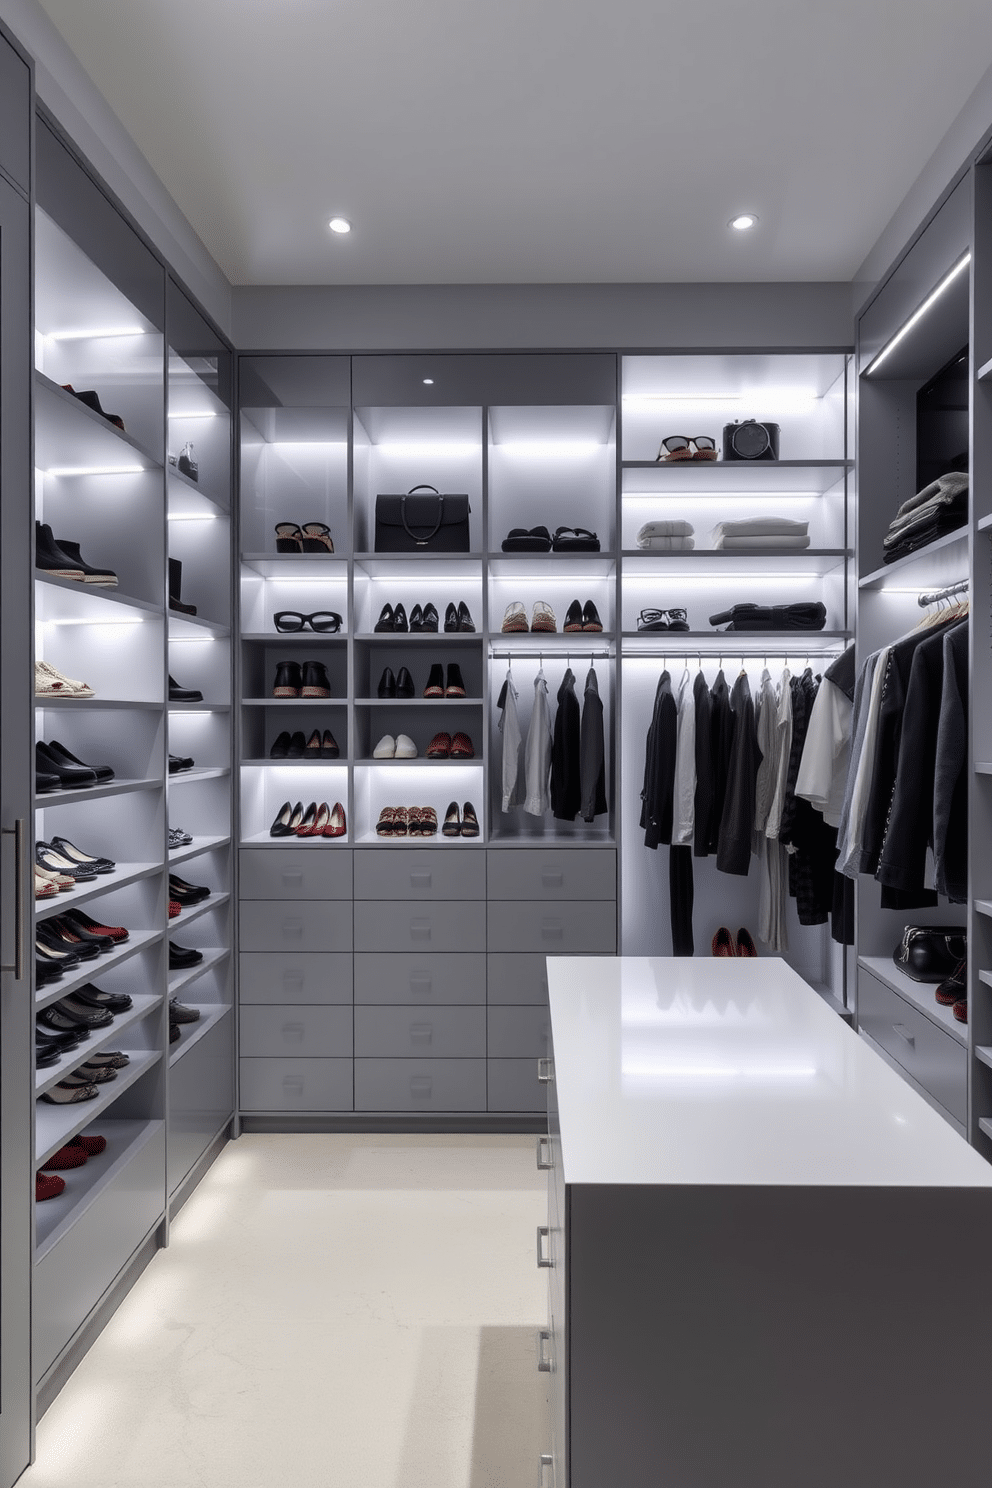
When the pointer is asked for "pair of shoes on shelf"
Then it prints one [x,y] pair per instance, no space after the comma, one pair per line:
[178,838]
[70,773]
[540,540]
[953,992]
[657,620]
[309,680]
[407,821]
[186,894]
[74,1154]
[298,746]
[175,589]
[50,682]
[179,694]
[443,746]
[440,687]
[92,401]
[582,617]
[393,686]
[465,826]
[723,943]
[402,747]
[62,559]
[543,620]
[179,762]
[424,621]
[311,537]
[181,958]
[62,857]
[76,933]
[179,1014]
[316,821]
[321,622]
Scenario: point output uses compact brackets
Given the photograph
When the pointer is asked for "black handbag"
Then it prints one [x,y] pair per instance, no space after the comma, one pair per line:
[415,524]
[929,953]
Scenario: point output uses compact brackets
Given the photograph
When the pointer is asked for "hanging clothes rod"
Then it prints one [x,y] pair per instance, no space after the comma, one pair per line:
[960,586]
[560,653]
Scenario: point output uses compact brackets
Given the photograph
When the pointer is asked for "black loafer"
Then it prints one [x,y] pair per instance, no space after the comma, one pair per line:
[404,684]
[289,680]
[385,620]
[179,694]
[450,619]
[71,777]
[573,617]
[399,618]
[181,958]
[431,620]
[387,684]
[416,619]
[465,622]
[316,683]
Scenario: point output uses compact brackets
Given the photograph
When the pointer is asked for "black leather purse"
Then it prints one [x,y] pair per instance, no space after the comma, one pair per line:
[929,953]
[422,524]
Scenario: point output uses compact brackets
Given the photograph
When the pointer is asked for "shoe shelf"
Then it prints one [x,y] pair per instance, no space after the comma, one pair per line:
[548,836]
[469,702]
[123,874]
[182,626]
[183,483]
[953,545]
[263,702]
[211,1014]
[986,977]
[99,1039]
[95,592]
[312,844]
[294,761]
[71,434]
[206,772]
[718,564]
[370,839]
[195,911]
[426,567]
[985,523]
[94,792]
[56,1125]
[298,638]
[433,639]
[422,760]
[195,848]
[314,566]
[186,976]
[985,1125]
[920,994]
[581,641]
[199,708]
[719,477]
[73,705]
[984,1053]
[89,971]
[534,568]
[84,1185]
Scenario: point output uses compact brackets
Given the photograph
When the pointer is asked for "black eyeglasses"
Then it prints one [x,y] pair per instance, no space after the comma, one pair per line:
[325,622]
[688,447]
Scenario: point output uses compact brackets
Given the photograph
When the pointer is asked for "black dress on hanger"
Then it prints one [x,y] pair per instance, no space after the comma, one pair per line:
[593,751]
[566,787]
[657,796]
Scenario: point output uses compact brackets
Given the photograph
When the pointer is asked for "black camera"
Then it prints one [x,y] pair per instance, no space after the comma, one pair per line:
[750,441]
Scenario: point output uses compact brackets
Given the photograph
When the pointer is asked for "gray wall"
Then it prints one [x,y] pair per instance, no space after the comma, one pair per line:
[402,317]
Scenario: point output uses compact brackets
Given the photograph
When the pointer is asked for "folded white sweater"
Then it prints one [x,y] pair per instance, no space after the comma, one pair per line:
[665,529]
[781,544]
[666,544]
[761,527]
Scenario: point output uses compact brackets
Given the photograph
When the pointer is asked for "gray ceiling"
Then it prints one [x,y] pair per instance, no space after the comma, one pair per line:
[533,140]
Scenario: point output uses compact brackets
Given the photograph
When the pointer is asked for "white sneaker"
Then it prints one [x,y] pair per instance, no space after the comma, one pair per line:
[49,682]
[405,747]
[386,748]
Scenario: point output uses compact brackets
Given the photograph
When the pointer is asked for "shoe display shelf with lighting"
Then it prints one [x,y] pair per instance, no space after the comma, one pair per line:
[102,306]
[810,396]
[405,976]
[917,366]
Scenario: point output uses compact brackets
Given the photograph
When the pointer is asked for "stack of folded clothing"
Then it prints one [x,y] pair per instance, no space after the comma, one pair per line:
[761,532]
[938,508]
[666,537]
[810,615]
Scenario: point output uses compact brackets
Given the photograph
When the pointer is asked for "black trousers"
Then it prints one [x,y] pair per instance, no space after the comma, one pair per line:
[680,884]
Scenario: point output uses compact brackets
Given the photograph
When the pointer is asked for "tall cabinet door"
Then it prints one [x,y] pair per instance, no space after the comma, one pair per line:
[16,879]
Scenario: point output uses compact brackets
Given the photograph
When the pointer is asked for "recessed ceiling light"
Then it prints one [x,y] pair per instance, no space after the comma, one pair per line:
[339,225]
[743,222]
[428,382]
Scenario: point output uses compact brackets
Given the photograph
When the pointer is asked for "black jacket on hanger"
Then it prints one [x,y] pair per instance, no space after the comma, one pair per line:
[737,821]
[950,788]
[593,751]
[659,766]
[703,803]
[721,739]
[566,789]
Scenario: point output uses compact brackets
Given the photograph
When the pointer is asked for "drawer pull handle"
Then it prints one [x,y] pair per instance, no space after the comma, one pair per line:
[543,1351]
[292,1084]
[545,1071]
[547,1461]
[544,1163]
[294,1031]
[292,927]
[421,878]
[421,1087]
[903,1032]
[292,979]
[544,1261]
[420,929]
[421,1033]
[292,878]
[552,929]
[552,879]
[421,981]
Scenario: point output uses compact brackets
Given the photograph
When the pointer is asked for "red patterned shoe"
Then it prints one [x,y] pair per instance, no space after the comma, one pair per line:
[960,1010]
[745,945]
[462,747]
[65,1158]
[439,747]
[401,822]
[92,1146]
[47,1186]
[175,908]
[722,943]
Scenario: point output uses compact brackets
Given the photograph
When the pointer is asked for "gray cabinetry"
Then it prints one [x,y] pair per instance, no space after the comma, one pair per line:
[935,1060]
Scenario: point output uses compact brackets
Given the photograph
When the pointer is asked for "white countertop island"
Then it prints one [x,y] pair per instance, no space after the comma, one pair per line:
[765,1250]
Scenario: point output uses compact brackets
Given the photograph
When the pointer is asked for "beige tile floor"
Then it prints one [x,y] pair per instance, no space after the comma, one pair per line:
[333,1312]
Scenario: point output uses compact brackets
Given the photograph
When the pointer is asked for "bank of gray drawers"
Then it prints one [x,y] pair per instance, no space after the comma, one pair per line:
[297,1036]
[542,902]
[420,980]
[932,1057]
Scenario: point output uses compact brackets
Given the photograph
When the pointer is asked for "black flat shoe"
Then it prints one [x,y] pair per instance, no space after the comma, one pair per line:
[404,684]
[387,684]
[187,893]
[75,935]
[399,618]
[385,620]
[179,694]
[48,936]
[590,617]
[316,683]
[48,857]
[84,859]
[94,997]
[465,622]
[179,762]
[573,617]
[297,745]
[71,777]
[286,816]
[416,619]
[45,782]
[450,619]
[431,619]
[329,746]
[102,772]
[289,680]
[280,749]
[181,958]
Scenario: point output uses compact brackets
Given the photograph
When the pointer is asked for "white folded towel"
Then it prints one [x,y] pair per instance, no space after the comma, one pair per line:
[666,544]
[666,529]
[761,527]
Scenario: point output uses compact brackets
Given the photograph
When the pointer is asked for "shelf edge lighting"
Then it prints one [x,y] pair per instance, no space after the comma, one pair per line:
[94,470]
[192,517]
[918,314]
[94,335]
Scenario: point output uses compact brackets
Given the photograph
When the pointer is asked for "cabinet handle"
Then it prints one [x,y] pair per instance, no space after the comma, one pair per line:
[292,878]
[421,981]
[292,927]
[551,929]
[292,1084]
[546,1461]
[293,980]
[420,929]
[545,1071]
[421,878]
[17,831]
[544,1261]
[901,1030]
[543,1355]
[550,879]
[293,1031]
[421,1033]
[421,1086]
[544,1163]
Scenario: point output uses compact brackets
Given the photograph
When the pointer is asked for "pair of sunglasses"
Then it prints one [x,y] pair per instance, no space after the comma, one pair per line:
[325,622]
[688,447]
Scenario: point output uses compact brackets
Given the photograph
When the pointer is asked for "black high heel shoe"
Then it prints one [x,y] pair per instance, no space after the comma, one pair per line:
[305,827]
[385,620]
[404,684]
[287,820]
[590,617]
[465,622]
[329,746]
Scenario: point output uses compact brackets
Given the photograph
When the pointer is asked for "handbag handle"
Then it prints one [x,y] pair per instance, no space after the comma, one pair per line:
[423,541]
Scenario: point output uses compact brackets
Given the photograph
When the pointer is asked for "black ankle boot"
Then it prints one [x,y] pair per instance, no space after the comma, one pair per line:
[175,588]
